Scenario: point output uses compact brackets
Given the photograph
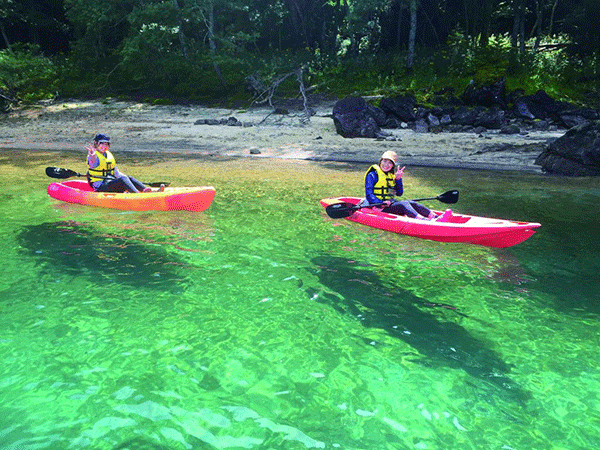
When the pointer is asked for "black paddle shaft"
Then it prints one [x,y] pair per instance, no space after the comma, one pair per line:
[344,209]
[57,172]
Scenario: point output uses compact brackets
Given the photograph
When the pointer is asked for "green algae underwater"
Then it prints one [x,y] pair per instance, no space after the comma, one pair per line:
[261,323]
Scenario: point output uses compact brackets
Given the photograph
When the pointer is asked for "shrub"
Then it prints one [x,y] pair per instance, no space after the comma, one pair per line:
[26,76]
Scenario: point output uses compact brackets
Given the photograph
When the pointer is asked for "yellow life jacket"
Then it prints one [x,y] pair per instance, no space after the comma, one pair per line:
[105,167]
[385,182]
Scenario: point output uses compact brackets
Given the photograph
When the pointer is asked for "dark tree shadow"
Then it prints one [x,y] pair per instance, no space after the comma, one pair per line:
[428,327]
[73,249]
[145,444]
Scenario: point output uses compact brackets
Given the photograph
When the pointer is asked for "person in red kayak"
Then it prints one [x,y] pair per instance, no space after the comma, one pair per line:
[103,174]
[383,178]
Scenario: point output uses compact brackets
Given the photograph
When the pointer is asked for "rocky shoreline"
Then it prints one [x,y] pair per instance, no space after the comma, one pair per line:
[259,132]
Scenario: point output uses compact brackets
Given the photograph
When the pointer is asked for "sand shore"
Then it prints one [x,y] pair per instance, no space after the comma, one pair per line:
[140,127]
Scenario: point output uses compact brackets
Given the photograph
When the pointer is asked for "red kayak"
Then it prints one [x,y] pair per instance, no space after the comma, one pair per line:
[171,199]
[458,228]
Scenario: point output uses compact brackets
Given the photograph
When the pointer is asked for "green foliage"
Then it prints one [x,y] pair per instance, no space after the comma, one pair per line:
[563,76]
[582,27]
[201,50]
[465,58]
[25,75]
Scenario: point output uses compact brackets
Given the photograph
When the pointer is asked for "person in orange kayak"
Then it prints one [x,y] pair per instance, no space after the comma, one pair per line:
[103,174]
[383,178]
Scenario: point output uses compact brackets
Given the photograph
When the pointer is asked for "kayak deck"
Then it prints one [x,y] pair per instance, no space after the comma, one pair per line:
[171,199]
[463,228]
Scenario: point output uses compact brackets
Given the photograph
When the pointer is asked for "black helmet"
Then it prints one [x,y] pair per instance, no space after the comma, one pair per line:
[102,138]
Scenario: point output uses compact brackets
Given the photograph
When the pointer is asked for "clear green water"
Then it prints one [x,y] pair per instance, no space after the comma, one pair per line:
[263,324]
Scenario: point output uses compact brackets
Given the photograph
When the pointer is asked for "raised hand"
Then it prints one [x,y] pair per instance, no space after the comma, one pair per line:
[400,172]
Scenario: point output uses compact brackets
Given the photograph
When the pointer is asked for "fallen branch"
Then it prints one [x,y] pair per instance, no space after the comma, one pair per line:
[7,101]
[264,94]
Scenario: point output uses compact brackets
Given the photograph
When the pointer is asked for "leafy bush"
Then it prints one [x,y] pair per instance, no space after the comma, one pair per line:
[26,76]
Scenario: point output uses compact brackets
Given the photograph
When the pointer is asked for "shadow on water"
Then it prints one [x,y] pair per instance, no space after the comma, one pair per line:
[141,444]
[425,326]
[69,248]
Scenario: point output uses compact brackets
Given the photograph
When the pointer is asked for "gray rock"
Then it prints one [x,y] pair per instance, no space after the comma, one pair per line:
[465,116]
[401,107]
[421,126]
[433,120]
[541,125]
[352,118]
[510,129]
[445,119]
[378,114]
[491,119]
[576,153]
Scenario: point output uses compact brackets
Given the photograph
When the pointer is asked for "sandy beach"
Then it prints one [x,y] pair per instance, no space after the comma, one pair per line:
[259,133]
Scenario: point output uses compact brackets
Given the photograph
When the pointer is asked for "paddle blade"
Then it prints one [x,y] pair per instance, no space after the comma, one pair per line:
[448,197]
[339,210]
[57,172]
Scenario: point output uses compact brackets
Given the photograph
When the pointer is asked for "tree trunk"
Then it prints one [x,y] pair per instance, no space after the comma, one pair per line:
[411,36]
[300,14]
[466,12]
[5,37]
[522,30]
[353,50]
[180,34]
[518,34]
[551,25]
[211,41]
[399,25]
[484,32]
[537,26]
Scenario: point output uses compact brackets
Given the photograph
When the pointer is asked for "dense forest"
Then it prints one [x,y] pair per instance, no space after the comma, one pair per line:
[203,50]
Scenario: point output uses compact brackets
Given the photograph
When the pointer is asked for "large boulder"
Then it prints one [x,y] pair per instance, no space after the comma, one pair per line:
[354,118]
[493,118]
[540,106]
[465,116]
[579,116]
[402,108]
[378,114]
[576,153]
[488,95]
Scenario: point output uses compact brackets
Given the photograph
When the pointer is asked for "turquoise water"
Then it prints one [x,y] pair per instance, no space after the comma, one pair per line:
[263,324]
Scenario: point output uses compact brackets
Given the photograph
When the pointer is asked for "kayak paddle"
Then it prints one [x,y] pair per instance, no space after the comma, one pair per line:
[344,209]
[57,172]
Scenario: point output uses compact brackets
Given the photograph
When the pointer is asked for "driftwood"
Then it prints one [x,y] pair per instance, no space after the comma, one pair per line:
[7,100]
[264,94]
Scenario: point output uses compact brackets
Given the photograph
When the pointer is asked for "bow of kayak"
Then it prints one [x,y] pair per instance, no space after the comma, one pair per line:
[171,199]
[463,228]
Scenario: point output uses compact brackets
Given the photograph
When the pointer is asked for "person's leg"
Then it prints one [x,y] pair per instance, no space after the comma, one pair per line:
[121,184]
[401,208]
[113,185]
[138,184]
[127,182]
[423,210]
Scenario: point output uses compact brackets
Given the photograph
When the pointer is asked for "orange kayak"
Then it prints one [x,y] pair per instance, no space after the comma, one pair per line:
[459,227]
[171,199]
